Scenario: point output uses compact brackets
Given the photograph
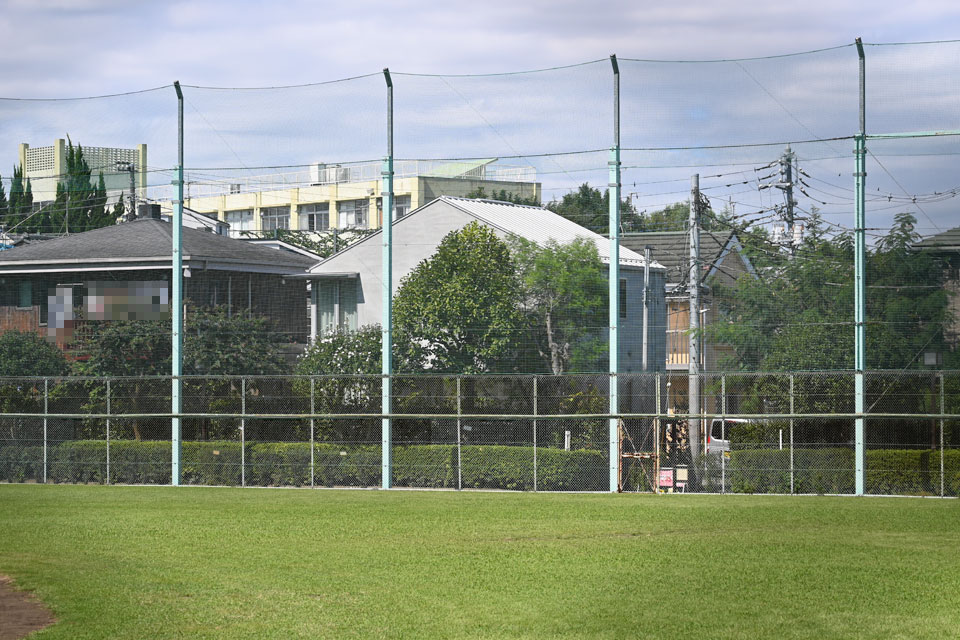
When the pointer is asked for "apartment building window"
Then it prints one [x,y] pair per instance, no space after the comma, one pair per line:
[273,218]
[337,305]
[240,220]
[354,214]
[314,217]
[401,206]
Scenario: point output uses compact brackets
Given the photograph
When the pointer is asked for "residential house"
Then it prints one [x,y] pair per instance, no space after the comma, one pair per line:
[346,291]
[722,263]
[123,272]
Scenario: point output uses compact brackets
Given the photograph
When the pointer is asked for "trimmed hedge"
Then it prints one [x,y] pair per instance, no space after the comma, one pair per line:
[889,471]
[21,463]
[288,464]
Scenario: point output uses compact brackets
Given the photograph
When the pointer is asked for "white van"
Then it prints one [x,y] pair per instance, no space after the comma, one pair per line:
[718,437]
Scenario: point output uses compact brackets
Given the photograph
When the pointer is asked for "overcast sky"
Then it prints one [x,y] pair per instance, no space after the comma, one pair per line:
[70,48]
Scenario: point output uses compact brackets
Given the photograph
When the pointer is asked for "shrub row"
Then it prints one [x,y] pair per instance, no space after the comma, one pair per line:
[288,464]
[889,471]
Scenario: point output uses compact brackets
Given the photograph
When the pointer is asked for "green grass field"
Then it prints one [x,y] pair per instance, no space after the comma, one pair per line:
[162,562]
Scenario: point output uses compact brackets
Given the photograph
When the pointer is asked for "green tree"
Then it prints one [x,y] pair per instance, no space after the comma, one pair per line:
[79,205]
[27,354]
[347,364]
[590,208]
[503,196]
[3,205]
[119,208]
[323,244]
[459,310]
[565,295]
[24,355]
[215,344]
[20,204]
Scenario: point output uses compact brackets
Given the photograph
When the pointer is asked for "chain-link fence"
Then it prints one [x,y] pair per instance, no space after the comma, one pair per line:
[758,433]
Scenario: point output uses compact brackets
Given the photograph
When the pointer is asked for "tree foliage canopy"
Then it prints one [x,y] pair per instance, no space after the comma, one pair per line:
[459,310]
[565,298]
[798,314]
[28,354]
[214,343]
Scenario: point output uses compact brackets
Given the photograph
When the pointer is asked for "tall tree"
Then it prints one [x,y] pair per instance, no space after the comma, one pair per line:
[797,314]
[565,296]
[590,208]
[80,204]
[20,203]
[3,204]
[459,310]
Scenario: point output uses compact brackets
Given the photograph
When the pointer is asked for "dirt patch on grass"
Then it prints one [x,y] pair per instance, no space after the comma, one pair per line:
[20,612]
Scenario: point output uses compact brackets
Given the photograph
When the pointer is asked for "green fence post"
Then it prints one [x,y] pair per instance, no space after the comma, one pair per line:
[860,295]
[108,430]
[313,411]
[46,398]
[386,345]
[176,300]
[613,346]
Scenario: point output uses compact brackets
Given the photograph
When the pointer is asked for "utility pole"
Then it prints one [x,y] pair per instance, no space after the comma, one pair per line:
[786,179]
[785,184]
[129,168]
[693,387]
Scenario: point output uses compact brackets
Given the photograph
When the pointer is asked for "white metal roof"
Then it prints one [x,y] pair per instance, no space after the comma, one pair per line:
[540,225]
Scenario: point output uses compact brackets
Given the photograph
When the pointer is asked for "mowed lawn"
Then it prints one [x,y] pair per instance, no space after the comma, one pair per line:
[163,562]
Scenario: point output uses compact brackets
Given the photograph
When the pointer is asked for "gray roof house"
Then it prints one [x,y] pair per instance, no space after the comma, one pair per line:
[723,262]
[347,286]
[217,271]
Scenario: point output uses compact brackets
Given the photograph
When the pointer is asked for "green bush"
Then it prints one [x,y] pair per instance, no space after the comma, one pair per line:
[888,471]
[211,463]
[426,466]
[21,463]
[78,461]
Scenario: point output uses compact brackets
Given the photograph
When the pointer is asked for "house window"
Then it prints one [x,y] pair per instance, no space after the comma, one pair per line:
[354,214]
[623,298]
[337,305]
[26,295]
[314,217]
[273,218]
[240,220]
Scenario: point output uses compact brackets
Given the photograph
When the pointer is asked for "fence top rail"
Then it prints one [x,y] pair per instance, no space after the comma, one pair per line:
[484,376]
[765,417]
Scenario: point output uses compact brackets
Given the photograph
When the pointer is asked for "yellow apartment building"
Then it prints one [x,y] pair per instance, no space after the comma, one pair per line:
[347,196]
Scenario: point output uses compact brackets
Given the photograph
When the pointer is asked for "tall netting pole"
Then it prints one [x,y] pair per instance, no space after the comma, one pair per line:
[614,275]
[176,299]
[693,384]
[860,296]
[386,435]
